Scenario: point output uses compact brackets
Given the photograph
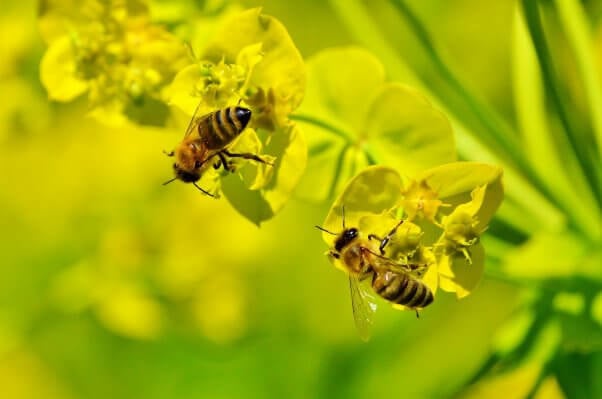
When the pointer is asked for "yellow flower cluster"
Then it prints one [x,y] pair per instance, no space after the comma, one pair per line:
[112,51]
[441,227]
[252,62]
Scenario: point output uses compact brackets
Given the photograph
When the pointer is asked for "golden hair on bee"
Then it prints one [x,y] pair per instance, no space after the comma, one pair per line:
[393,281]
[206,144]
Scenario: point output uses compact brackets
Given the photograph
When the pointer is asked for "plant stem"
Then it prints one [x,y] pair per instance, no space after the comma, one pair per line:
[584,154]
[322,124]
[497,130]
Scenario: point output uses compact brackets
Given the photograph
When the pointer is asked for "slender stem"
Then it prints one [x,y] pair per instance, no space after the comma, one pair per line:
[584,154]
[337,170]
[574,21]
[322,124]
[499,133]
[309,119]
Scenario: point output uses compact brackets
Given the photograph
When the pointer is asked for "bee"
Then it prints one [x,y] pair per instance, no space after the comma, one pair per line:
[207,138]
[396,282]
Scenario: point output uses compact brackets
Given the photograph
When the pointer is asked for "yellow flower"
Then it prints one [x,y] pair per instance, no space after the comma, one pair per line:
[422,201]
[461,227]
[251,61]
[453,257]
[114,53]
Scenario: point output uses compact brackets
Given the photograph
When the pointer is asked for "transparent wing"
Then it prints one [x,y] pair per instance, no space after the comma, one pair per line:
[193,121]
[363,306]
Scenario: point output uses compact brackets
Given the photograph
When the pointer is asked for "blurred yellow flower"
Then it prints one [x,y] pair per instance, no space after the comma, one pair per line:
[112,51]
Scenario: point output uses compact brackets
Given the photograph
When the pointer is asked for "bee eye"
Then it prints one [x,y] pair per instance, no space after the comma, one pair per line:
[197,164]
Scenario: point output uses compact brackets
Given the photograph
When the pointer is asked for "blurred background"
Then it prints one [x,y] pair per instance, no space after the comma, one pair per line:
[112,285]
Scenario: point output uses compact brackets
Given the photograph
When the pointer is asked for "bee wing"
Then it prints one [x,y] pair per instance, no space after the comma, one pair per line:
[193,121]
[363,306]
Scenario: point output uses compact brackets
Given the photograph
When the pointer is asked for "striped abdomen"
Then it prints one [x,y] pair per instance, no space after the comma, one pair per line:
[219,128]
[402,289]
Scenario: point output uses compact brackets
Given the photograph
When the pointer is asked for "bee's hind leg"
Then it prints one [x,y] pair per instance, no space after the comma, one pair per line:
[222,162]
[246,155]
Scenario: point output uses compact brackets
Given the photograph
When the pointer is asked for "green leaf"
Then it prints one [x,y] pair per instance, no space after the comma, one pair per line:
[580,334]
[289,148]
[553,255]
[405,132]
[341,84]
[58,72]
[519,382]
[350,109]
[509,337]
[573,138]
[581,381]
[574,21]
[373,190]
[563,180]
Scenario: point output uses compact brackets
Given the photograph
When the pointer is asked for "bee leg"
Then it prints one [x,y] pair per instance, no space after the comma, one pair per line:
[417,314]
[203,191]
[246,155]
[224,162]
[217,165]
[382,240]
[387,238]
[169,154]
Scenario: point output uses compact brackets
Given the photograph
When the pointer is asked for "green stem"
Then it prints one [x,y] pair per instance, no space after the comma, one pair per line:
[372,160]
[499,133]
[356,18]
[337,170]
[579,147]
[322,124]
[574,21]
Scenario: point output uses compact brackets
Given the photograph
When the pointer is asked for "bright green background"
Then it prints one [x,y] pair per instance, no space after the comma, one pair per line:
[209,305]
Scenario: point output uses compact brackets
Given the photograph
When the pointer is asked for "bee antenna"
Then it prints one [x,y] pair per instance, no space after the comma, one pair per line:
[169,181]
[203,191]
[343,211]
[325,231]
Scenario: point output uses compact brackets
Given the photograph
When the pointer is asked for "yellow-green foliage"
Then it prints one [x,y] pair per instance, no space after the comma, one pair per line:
[114,286]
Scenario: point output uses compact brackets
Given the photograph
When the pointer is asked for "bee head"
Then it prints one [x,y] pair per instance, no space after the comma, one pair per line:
[187,176]
[345,238]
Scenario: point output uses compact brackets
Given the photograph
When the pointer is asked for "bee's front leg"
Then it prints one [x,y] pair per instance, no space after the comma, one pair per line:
[246,155]
[385,240]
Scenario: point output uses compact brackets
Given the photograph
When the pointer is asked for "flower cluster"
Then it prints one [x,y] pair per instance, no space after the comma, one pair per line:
[443,215]
[251,61]
[112,51]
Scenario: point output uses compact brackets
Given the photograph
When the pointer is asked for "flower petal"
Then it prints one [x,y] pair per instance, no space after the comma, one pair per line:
[58,72]
[406,132]
[373,190]
[459,276]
